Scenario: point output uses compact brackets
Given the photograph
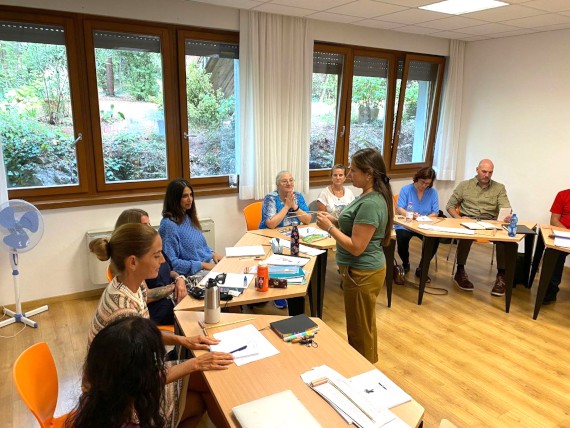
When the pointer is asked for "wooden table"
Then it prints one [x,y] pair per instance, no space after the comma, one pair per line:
[239,385]
[430,237]
[317,286]
[250,294]
[551,252]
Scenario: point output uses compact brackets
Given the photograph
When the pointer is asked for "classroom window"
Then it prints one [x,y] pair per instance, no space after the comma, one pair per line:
[36,110]
[372,98]
[211,70]
[130,106]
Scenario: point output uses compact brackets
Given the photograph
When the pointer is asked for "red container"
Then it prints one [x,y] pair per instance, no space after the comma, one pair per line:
[262,280]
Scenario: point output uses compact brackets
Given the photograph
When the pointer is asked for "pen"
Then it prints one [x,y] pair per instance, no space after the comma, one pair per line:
[238,349]
[382,386]
[245,282]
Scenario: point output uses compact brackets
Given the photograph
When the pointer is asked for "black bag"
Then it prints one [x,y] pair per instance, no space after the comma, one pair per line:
[398,274]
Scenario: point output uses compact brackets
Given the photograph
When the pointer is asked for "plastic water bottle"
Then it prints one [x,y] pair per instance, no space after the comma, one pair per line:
[410,213]
[512,228]
[295,240]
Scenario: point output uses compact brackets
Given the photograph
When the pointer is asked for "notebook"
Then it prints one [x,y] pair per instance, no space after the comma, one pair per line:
[281,410]
[522,229]
[293,325]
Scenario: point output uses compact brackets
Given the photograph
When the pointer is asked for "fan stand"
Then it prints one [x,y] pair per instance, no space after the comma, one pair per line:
[19,316]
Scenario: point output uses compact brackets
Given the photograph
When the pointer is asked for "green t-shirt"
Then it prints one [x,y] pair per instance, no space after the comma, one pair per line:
[371,209]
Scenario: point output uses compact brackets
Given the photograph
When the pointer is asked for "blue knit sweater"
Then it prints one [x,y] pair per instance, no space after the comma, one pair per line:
[184,245]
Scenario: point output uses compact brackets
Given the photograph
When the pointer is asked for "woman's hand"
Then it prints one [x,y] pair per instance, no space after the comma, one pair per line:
[216,257]
[290,201]
[214,361]
[324,221]
[208,266]
[180,290]
[198,342]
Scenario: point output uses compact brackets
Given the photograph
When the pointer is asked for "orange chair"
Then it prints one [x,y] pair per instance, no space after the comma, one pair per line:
[396,196]
[169,328]
[252,215]
[35,377]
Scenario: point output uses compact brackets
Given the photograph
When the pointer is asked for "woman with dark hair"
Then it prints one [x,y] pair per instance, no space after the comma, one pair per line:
[425,202]
[335,197]
[181,232]
[167,284]
[124,377]
[361,230]
[136,252]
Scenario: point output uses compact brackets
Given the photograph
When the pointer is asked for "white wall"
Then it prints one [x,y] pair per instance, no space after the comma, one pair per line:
[59,264]
[515,112]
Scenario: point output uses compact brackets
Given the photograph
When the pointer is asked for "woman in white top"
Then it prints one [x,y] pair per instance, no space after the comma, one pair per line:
[335,197]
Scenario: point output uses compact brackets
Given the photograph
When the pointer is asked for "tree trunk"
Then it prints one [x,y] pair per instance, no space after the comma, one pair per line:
[110,77]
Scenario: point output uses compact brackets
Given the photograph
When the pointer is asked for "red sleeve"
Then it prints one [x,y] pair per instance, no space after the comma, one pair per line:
[558,204]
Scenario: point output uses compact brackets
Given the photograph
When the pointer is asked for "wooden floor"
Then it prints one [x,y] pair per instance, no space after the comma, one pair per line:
[459,355]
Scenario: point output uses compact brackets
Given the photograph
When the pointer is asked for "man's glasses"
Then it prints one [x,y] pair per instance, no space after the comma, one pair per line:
[292,180]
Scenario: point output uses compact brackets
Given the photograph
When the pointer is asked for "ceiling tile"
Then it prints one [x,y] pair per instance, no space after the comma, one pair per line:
[450,34]
[539,21]
[553,27]
[283,10]
[366,9]
[413,16]
[519,32]
[488,29]
[239,4]
[320,5]
[375,23]
[452,23]
[415,29]
[334,17]
[474,38]
[409,3]
[549,5]
[503,13]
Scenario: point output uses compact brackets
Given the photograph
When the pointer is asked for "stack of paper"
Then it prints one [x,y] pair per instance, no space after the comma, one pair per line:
[354,406]
[479,225]
[447,229]
[561,239]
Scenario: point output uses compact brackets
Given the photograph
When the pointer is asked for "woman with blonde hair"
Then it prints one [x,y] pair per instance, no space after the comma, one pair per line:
[136,252]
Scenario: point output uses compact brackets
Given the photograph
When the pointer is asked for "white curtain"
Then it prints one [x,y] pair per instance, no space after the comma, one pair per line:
[447,138]
[276,61]
[3,183]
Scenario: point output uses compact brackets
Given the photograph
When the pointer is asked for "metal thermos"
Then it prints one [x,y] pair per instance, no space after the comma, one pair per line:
[212,302]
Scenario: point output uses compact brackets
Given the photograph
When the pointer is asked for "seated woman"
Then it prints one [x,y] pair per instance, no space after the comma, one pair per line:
[168,282]
[124,377]
[284,206]
[425,202]
[181,232]
[135,251]
[335,197]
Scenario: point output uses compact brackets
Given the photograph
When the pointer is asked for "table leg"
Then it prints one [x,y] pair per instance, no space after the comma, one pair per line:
[389,254]
[510,260]
[538,251]
[427,251]
[528,246]
[316,290]
[296,305]
[550,258]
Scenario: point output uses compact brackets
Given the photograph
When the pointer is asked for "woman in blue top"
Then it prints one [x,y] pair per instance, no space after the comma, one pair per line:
[282,207]
[182,239]
[425,202]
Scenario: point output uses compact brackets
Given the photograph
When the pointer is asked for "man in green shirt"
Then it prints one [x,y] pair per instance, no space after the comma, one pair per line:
[480,198]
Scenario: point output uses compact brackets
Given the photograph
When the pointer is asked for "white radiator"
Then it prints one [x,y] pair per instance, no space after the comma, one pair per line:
[98,269]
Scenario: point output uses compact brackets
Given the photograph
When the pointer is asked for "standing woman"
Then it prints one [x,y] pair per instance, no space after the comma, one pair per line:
[335,197]
[181,232]
[360,231]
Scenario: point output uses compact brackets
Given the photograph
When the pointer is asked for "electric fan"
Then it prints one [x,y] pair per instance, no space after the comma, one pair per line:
[21,228]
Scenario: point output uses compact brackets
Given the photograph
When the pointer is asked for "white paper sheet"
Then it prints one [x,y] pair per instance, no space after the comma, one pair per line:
[233,280]
[245,251]
[257,346]
[282,259]
[447,229]
[424,218]
[380,389]
[503,212]
[303,248]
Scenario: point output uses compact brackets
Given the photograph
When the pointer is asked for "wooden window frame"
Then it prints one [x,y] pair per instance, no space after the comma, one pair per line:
[392,126]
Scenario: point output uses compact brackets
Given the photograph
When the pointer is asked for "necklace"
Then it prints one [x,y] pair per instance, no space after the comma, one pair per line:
[335,192]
